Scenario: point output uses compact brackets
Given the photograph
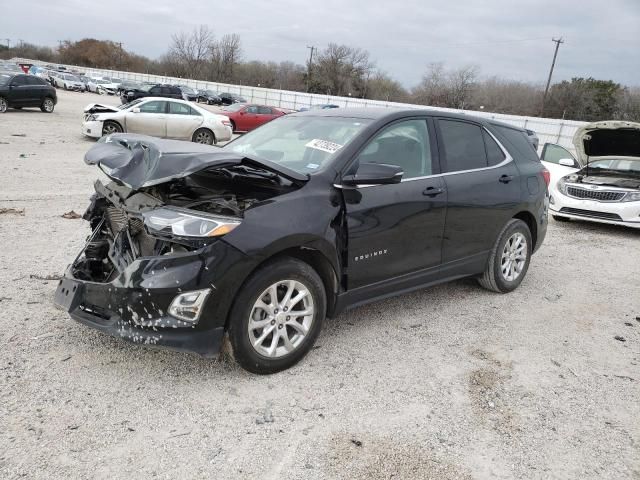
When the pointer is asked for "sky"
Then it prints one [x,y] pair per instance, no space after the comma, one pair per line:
[506,38]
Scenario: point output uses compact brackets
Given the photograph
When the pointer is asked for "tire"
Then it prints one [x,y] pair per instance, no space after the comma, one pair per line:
[504,272]
[3,105]
[110,127]
[272,354]
[558,218]
[204,135]
[48,105]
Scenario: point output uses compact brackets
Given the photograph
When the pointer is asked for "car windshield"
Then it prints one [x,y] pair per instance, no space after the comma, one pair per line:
[4,78]
[234,108]
[304,144]
[130,104]
[622,165]
[71,78]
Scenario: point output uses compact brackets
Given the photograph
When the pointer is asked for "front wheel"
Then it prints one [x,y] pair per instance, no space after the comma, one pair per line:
[3,105]
[277,316]
[110,127]
[204,135]
[509,260]
[47,105]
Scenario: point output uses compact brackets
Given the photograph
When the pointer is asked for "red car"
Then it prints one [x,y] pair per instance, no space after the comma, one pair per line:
[247,117]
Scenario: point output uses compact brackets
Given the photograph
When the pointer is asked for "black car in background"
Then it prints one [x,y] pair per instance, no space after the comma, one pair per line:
[168,91]
[127,85]
[209,97]
[302,218]
[230,98]
[20,90]
[188,93]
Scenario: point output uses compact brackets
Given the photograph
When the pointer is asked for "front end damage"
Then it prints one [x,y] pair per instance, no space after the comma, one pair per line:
[156,265]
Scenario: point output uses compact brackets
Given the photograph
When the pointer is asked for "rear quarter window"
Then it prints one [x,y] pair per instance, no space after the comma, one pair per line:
[517,143]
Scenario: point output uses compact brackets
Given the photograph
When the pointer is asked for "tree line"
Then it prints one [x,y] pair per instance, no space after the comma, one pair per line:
[342,70]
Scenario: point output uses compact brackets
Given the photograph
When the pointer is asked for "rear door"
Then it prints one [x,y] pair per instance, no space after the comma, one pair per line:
[39,88]
[483,188]
[394,230]
[182,121]
[150,120]
[20,94]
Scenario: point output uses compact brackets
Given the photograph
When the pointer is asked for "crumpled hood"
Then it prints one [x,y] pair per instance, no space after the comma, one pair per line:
[607,139]
[139,161]
[100,108]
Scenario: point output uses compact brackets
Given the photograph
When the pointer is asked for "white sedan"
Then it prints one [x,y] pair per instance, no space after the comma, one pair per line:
[102,86]
[602,182]
[158,117]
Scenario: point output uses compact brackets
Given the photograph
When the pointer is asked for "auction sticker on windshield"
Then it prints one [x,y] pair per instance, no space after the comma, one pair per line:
[324,145]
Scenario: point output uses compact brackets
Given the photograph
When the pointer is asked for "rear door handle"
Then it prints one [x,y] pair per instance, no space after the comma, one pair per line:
[506,178]
[432,191]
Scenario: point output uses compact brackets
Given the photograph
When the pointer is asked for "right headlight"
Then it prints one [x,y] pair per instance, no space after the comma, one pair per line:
[181,222]
[631,197]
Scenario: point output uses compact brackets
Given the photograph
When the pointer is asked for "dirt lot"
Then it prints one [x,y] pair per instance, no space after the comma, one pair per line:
[447,383]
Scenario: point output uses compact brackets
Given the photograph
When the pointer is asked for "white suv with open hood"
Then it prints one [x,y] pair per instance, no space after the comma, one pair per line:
[603,183]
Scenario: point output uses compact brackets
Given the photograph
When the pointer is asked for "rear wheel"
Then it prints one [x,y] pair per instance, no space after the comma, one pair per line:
[204,135]
[509,260]
[110,127]
[558,218]
[3,105]
[47,105]
[277,316]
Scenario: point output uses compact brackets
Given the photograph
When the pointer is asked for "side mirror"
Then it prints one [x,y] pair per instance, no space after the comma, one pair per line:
[567,162]
[374,174]
[135,110]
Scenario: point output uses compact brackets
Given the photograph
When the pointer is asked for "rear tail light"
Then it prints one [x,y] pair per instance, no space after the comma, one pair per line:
[546,175]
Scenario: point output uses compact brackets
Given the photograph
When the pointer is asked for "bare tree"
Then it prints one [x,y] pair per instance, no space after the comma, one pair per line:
[442,88]
[224,57]
[461,83]
[341,70]
[189,52]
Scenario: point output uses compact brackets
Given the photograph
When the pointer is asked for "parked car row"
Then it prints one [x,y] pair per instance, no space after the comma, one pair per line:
[18,90]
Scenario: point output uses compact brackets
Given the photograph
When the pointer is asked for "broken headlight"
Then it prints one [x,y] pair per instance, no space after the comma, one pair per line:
[181,222]
[92,117]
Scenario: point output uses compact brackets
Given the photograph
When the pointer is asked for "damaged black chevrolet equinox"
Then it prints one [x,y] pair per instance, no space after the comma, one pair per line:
[300,219]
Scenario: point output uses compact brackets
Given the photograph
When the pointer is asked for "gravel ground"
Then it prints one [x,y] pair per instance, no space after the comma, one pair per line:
[452,382]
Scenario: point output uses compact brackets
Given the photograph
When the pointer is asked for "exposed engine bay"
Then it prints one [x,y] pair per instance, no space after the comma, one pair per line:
[118,213]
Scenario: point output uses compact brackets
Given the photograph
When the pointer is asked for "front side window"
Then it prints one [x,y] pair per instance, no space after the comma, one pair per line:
[153,107]
[19,80]
[252,109]
[264,110]
[553,153]
[463,145]
[405,144]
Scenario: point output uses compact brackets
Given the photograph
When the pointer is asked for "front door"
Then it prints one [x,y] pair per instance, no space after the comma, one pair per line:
[483,187]
[20,93]
[396,229]
[150,119]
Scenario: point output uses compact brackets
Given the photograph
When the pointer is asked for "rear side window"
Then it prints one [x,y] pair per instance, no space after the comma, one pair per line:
[181,109]
[35,81]
[463,145]
[153,107]
[264,110]
[19,80]
[519,142]
[495,155]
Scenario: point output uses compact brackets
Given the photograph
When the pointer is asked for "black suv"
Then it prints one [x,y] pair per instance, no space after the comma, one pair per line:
[230,98]
[21,90]
[168,91]
[297,220]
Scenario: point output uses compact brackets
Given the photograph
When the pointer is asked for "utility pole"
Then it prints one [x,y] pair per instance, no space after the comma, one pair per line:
[557,41]
[8,42]
[312,48]
[120,55]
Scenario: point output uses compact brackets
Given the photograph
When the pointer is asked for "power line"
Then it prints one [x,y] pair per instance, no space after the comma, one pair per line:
[557,41]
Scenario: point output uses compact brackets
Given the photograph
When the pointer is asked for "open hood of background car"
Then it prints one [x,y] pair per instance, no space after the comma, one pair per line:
[607,139]
[140,161]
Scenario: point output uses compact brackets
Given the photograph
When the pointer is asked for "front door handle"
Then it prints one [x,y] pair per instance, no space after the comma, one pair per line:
[432,191]
[506,178]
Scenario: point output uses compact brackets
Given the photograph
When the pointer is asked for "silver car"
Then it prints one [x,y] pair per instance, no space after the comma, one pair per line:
[68,82]
[158,117]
